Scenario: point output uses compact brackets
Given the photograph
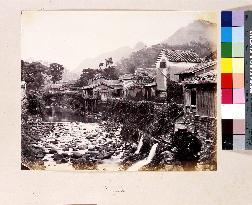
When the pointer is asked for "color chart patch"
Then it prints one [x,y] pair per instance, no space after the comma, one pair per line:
[232,80]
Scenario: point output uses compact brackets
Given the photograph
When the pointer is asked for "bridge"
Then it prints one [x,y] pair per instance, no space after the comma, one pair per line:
[70,99]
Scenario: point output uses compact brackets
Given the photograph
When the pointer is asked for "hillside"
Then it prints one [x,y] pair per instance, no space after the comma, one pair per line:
[199,36]
[115,54]
[200,31]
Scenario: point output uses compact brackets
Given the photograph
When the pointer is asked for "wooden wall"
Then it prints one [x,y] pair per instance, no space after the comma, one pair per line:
[205,99]
[206,102]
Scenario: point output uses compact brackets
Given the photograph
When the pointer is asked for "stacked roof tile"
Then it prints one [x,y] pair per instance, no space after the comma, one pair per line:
[199,67]
[180,56]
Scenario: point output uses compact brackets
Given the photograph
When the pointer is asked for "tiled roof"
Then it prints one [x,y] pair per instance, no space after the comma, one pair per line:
[150,84]
[198,67]
[127,76]
[180,56]
[96,85]
[113,82]
[99,77]
[207,77]
[57,85]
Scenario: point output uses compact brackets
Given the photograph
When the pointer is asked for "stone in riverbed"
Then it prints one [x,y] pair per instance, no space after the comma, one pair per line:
[65,149]
[65,155]
[94,135]
[54,142]
[57,157]
[40,155]
[76,155]
[82,147]
[40,163]
[108,155]
[48,146]
[52,151]
[64,160]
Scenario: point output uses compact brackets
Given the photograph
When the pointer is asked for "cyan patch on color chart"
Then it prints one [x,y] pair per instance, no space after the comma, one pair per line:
[226,34]
[237,34]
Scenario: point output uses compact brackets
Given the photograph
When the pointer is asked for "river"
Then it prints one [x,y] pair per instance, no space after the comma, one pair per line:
[77,141]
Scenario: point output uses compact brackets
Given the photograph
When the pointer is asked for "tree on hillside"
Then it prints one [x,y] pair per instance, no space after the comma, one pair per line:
[86,75]
[146,57]
[100,65]
[33,74]
[109,62]
[56,71]
[110,72]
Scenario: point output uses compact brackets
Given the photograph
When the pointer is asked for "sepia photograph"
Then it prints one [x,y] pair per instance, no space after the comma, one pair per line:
[119,90]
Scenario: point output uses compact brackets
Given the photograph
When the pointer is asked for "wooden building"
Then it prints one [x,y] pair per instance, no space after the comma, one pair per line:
[200,86]
[103,88]
[98,91]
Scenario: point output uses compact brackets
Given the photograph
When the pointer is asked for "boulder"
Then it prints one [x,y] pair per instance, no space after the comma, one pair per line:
[53,151]
[65,149]
[40,155]
[76,155]
[54,142]
[57,157]
[65,155]
[82,147]
[64,160]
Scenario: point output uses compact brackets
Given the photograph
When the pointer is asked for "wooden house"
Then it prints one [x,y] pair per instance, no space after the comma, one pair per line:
[117,87]
[199,90]
[98,79]
[97,91]
[103,88]
[200,86]
[171,62]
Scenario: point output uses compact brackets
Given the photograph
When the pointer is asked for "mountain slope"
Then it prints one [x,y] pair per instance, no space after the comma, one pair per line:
[200,31]
[199,36]
[115,54]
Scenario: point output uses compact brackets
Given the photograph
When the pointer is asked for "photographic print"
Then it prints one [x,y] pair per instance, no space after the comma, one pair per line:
[118,90]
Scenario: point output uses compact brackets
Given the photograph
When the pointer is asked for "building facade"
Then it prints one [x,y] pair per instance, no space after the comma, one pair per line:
[171,62]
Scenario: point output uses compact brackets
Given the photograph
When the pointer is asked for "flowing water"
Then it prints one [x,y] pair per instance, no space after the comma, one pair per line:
[140,144]
[138,165]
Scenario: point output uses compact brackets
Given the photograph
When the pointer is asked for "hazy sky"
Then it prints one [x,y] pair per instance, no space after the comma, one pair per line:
[68,37]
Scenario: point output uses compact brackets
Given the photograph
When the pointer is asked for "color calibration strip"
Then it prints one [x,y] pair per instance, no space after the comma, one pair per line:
[232,80]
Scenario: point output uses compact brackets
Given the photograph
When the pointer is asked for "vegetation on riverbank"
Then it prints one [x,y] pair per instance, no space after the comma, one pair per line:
[155,123]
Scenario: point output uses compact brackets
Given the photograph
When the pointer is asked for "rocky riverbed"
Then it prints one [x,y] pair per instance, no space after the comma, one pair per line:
[77,145]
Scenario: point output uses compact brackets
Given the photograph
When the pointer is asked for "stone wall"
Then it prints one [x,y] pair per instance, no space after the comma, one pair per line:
[206,130]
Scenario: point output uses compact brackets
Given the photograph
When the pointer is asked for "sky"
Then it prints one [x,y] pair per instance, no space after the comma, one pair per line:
[69,37]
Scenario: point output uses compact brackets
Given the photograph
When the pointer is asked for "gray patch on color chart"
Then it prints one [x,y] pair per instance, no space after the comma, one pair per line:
[238,142]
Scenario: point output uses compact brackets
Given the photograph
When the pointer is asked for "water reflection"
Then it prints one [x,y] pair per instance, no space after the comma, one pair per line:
[58,114]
